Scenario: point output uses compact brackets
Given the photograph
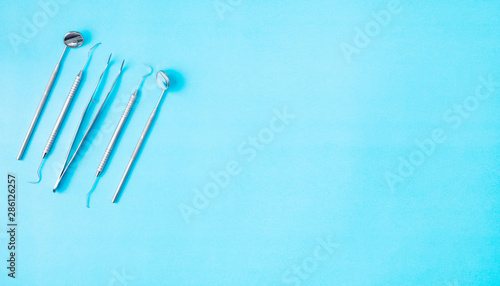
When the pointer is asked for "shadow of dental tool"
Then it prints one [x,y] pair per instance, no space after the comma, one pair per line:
[118,129]
[62,114]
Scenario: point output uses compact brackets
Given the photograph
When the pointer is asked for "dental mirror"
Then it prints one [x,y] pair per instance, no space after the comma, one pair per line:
[162,80]
[73,39]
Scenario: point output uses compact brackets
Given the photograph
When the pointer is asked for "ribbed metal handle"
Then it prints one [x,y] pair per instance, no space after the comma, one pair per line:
[128,107]
[104,160]
[112,142]
[64,110]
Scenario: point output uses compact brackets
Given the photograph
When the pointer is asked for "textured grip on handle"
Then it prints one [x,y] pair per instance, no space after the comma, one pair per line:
[111,144]
[75,86]
[129,106]
[104,160]
[64,110]
[48,146]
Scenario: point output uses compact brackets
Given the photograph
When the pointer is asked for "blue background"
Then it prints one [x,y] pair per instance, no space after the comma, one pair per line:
[322,177]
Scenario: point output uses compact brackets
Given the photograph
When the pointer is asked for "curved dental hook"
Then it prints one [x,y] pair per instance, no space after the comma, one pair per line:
[94,120]
[88,193]
[118,129]
[88,56]
[67,160]
[142,79]
[39,174]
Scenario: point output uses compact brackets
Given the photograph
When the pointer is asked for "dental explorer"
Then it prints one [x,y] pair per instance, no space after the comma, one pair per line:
[88,130]
[73,40]
[163,82]
[118,129]
[91,99]
[62,114]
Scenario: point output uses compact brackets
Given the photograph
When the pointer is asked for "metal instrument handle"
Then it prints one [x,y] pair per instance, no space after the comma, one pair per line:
[118,129]
[134,154]
[40,107]
[62,114]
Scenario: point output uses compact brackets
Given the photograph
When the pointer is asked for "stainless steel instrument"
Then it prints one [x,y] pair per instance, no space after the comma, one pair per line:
[163,82]
[62,114]
[118,129]
[72,40]
[65,169]
[91,99]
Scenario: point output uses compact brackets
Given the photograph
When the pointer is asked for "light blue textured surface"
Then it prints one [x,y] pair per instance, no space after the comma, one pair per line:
[319,201]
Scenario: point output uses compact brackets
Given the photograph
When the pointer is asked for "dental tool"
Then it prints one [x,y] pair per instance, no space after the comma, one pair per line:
[163,82]
[88,130]
[73,40]
[118,129]
[62,114]
[91,99]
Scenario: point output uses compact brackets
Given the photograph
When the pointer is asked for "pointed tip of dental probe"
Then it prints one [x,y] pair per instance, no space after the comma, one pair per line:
[150,69]
[38,173]
[109,59]
[149,73]
[91,188]
[33,182]
[93,47]
[123,62]
[144,76]
[90,52]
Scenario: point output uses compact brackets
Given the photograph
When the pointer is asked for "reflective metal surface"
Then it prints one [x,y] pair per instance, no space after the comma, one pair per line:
[163,82]
[64,111]
[118,129]
[72,40]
